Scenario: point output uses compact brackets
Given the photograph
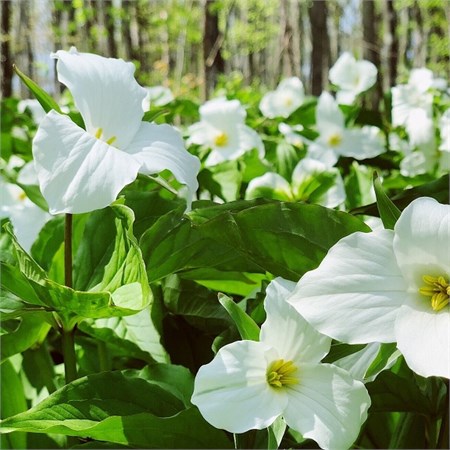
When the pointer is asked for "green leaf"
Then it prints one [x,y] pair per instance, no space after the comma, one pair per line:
[389,213]
[387,354]
[339,350]
[256,236]
[42,97]
[121,407]
[276,433]
[31,329]
[130,336]
[13,401]
[245,324]
[195,303]
[437,189]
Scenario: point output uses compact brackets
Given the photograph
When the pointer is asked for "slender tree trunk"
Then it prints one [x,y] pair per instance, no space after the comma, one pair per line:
[371,48]
[110,26]
[320,57]
[6,63]
[212,42]
[392,42]
[419,48]
[126,29]
[288,59]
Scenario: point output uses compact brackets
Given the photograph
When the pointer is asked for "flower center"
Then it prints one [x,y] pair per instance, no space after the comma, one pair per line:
[287,101]
[221,139]
[438,289]
[334,140]
[280,373]
[99,133]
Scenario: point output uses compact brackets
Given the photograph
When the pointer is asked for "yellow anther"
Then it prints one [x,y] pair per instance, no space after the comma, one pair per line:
[334,140]
[280,373]
[22,196]
[221,139]
[438,289]
[98,133]
[287,101]
[111,140]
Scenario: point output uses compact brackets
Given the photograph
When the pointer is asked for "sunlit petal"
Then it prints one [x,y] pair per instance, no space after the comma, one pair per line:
[160,147]
[232,391]
[74,168]
[105,92]
[287,331]
[327,405]
[355,294]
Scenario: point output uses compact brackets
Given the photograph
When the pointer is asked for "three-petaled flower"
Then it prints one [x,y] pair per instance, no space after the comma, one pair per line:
[249,384]
[83,170]
[388,286]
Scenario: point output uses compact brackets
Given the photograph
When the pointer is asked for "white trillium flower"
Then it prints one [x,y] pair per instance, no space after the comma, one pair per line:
[37,111]
[26,218]
[412,106]
[157,96]
[352,77]
[284,100]
[249,384]
[307,184]
[336,140]
[388,286]
[444,125]
[291,134]
[83,170]
[222,129]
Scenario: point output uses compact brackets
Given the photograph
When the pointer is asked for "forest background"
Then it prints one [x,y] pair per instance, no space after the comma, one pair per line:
[188,45]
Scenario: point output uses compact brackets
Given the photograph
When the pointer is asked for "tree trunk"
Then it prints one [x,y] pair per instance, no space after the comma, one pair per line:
[320,57]
[288,59]
[371,49]
[392,42]
[212,43]
[6,63]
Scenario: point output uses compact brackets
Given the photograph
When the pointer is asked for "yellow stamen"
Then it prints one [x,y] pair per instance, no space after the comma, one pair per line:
[438,289]
[279,373]
[111,140]
[221,139]
[98,133]
[334,140]
[288,101]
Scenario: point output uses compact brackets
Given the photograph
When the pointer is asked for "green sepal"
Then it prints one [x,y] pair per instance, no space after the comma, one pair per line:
[389,213]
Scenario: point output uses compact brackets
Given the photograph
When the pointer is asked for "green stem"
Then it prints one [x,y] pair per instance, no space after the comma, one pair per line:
[70,359]
[68,251]
[444,436]
[68,336]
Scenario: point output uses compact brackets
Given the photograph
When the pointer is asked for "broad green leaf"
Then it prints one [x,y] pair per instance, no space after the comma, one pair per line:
[42,97]
[389,213]
[48,242]
[120,407]
[339,350]
[195,303]
[257,236]
[31,329]
[246,326]
[276,433]
[437,189]
[13,402]
[132,336]
[386,356]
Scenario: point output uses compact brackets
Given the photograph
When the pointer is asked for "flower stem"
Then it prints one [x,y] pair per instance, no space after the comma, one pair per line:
[68,251]
[68,336]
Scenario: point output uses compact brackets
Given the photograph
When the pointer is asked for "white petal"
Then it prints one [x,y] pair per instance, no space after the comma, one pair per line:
[345,97]
[419,126]
[327,406]
[27,222]
[270,185]
[77,172]
[421,79]
[160,147]
[288,96]
[27,174]
[232,392]
[421,242]
[219,111]
[105,92]
[342,71]
[322,153]
[355,294]
[250,139]
[423,337]
[367,75]
[362,143]
[328,114]
[287,331]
